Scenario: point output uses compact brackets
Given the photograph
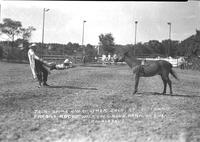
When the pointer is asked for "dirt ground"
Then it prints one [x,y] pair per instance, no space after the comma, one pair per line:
[96,104]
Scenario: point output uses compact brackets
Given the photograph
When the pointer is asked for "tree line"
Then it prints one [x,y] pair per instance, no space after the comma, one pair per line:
[189,47]
[18,39]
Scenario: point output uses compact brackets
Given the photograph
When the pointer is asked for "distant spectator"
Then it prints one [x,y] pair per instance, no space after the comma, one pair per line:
[84,59]
[109,58]
[183,63]
[95,58]
[115,58]
[103,59]
[143,62]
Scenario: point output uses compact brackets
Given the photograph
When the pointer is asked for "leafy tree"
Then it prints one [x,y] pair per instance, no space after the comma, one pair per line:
[139,49]
[194,45]
[91,51]
[147,50]
[155,46]
[10,28]
[27,32]
[173,48]
[14,30]
[190,46]
[107,43]
[71,48]
[120,49]
[165,47]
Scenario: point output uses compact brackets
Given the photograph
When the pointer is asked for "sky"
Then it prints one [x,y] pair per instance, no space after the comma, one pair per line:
[64,20]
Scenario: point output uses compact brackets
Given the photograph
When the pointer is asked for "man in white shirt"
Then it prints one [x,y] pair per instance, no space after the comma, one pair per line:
[109,58]
[37,65]
[103,59]
[115,59]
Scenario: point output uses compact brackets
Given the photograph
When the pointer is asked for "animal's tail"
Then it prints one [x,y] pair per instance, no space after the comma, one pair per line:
[174,74]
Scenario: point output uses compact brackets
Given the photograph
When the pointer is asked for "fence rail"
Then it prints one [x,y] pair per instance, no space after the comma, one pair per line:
[61,58]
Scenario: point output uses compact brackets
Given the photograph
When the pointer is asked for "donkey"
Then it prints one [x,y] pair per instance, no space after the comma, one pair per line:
[159,67]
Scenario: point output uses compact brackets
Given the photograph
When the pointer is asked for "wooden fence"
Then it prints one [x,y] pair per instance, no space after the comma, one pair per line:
[61,58]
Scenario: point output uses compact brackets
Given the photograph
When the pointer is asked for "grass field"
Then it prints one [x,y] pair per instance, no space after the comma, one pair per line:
[95,104]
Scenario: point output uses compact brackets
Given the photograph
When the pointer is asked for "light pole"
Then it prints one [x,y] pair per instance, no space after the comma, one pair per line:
[44,10]
[75,56]
[0,13]
[135,35]
[168,51]
[83,56]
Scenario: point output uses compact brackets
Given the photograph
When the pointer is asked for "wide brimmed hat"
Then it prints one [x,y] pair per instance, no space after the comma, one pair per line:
[32,45]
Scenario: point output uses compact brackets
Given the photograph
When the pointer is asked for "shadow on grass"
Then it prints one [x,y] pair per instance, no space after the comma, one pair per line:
[92,65]
[96,65]
[73,87]
[172,95]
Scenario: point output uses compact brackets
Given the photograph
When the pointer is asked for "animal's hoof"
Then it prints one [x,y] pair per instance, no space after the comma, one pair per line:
[164,93]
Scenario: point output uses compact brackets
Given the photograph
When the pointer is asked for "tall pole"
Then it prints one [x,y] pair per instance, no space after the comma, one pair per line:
[135,36]
[44,10]
[98,49]
[168,52]
[83,41]
[0,13]
[43,26]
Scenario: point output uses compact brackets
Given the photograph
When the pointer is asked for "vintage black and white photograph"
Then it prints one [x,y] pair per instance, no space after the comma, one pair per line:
[99,71]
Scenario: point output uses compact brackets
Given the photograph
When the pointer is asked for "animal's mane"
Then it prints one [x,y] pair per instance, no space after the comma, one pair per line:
[136,69]
[129,54]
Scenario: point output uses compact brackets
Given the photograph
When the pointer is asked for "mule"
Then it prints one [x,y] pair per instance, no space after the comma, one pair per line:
[159,67]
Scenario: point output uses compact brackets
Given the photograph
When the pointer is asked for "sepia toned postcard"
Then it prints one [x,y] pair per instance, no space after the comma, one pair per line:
[99,71]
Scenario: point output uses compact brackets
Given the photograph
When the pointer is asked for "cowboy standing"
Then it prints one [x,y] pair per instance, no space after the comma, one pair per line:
[37,65]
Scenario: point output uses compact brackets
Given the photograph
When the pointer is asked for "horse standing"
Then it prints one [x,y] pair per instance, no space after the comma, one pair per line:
[159,67]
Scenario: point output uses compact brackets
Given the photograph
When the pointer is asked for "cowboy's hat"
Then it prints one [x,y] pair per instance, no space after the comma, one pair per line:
[32,45]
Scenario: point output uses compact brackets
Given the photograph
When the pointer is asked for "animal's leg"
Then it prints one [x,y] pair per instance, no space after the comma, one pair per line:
[170,84]
[137,77]
[165,84]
